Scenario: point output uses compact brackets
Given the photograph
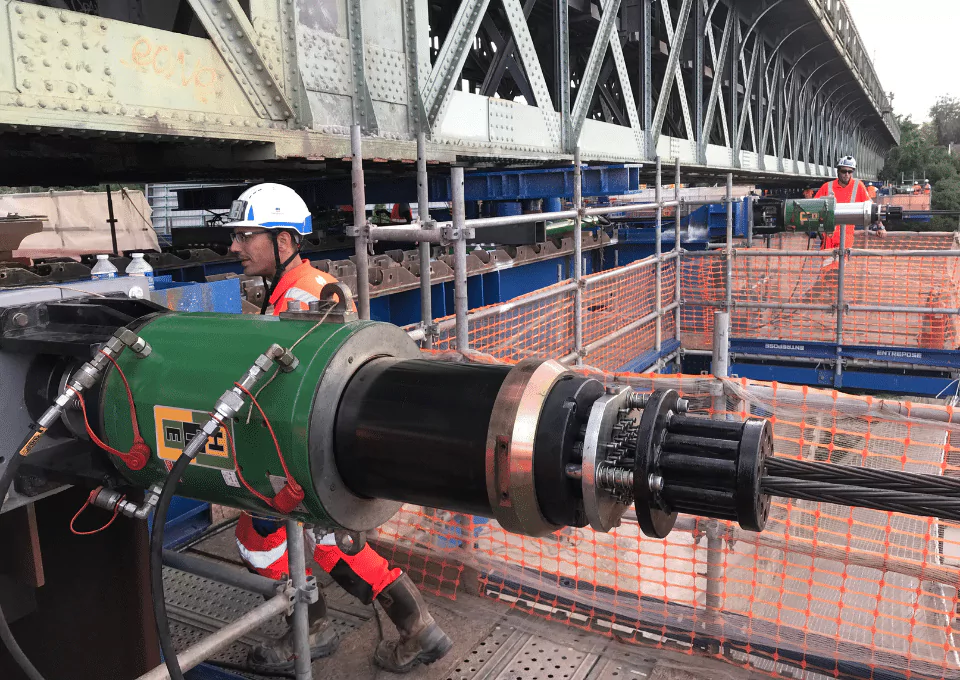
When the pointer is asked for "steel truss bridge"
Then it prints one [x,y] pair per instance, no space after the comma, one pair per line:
[150,90]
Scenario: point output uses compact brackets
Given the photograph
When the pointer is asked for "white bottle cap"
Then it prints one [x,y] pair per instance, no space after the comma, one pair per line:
[102,257]
[138,254]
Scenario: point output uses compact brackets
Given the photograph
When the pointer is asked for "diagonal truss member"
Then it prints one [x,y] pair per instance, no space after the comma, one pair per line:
[236,40]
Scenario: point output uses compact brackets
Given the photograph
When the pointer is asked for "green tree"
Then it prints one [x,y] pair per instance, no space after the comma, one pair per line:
[945,120]
[919,155]
[946,196]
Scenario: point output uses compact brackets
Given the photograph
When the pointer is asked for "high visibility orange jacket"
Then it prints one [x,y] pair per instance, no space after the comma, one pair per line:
[854,192]
[299,287]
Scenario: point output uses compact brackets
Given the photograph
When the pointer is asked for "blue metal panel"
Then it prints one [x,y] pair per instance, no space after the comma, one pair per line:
[648,359]
[186,519]
[795,375]
[517,281]
[513,185]
[784,348]
[206,671]
[215,296]
[907,355]
[851,380]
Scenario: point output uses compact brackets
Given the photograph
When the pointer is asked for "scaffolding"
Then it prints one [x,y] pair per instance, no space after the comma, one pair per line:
[826,590]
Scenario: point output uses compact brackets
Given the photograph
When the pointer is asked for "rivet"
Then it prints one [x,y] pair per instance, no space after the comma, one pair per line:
[110,93]
[41,14]
[84,107]
[89,90]
[21,35]
[107,71]
[63,17]
[19,10]
[71,88]
[105,109]
[46,62]
[88,68]
[106,48]
[26,84]
[42,104]
[103,25]
[65,42]
[48,85]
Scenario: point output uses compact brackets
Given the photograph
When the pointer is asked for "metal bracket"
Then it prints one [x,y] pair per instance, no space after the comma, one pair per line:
[363,113]
[310,593]
[450,234]
[353,231]
[234,37]
[350,542]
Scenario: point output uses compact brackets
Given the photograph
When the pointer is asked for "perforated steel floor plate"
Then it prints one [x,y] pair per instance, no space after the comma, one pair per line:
[198,606]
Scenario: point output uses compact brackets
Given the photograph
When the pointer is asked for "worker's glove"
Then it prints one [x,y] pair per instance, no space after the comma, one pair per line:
[878,230]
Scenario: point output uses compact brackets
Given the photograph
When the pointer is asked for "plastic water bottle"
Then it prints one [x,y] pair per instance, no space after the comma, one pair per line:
[140,267]
[103,269]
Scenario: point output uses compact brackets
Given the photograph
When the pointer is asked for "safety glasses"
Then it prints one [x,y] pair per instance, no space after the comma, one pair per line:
[245,236]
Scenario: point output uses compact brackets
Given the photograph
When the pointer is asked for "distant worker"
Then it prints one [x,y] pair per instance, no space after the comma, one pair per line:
[845,189]
[269,222]
[927,189]
[917,189]
[872,191]
[808,193]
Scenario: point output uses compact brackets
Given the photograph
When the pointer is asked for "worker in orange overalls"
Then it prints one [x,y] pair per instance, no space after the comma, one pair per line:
[808,193]
[927,189]
[872,191]
[269,222]
[845,189]
[917,189]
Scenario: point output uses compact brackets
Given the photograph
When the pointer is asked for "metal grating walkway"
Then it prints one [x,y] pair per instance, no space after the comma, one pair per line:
[491,641]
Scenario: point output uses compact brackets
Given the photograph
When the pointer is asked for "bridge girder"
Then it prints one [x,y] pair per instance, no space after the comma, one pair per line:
[141,90]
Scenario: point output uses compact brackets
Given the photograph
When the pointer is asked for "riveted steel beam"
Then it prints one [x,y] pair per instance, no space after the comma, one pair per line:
[416,116]
[672,71]
[234,37]
[747,112]
[517,16]
[719,59]
[450,60]
[629,103]
[646,76]
[363,113]
[563,73]
[588,81]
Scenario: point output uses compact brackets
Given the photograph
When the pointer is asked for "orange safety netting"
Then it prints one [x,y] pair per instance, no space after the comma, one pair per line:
[617,301]
[826,590]
[926,283]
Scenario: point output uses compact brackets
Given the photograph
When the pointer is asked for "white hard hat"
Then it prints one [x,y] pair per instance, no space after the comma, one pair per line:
[271,206]
[848,162]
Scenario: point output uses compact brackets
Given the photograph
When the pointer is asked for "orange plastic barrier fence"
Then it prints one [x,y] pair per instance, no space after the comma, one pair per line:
[926,283]
[613,301]
[825,591]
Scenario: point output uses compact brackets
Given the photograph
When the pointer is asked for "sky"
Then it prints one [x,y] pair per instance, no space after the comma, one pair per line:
[915,47]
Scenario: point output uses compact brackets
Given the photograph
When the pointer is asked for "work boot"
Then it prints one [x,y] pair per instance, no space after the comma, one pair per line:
[421,640]
[278,656]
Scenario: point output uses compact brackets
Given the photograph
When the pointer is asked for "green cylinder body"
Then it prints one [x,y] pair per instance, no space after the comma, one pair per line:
[810,214]
[195,359]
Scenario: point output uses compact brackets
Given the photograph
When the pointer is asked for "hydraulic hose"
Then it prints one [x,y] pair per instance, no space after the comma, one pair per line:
[156,568]
[6,635]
